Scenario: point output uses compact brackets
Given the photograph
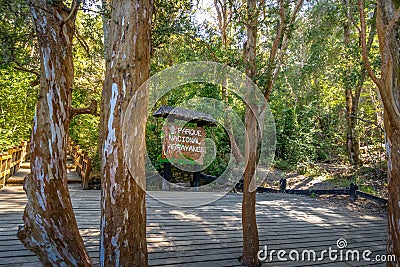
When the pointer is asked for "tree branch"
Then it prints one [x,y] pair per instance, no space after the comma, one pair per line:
[30,4]
[350,16]
[363,69]
[82,42]
[364,48]
[393,21]
[276,55]
[207,46]
[295,11]
[368,121]
[91,109]
[74,9]
[19,67]
[274,49]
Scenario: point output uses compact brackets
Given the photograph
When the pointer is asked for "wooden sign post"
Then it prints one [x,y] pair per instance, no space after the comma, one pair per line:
[183,144]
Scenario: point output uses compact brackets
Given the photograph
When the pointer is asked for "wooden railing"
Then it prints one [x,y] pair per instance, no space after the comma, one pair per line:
[82,162]
[11,160]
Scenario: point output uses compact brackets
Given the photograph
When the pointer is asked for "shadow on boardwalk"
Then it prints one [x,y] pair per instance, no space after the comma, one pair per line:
[211,235]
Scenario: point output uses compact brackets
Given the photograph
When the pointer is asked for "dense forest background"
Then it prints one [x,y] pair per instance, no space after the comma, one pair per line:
[327,110]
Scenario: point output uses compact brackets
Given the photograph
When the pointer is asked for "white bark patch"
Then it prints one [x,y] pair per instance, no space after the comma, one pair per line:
[60,198]
[38,219]
[114,243]
[57,130]
[126,214]
[50,150]
[48,68]
[102,253]
[108,145]
[35,124]
[38,172]
[60,133]
[49,97]
[144,13]
[42,23]
[124,85]
[115,189]
[53,34]
[388,146]
[62,111]
[123,21]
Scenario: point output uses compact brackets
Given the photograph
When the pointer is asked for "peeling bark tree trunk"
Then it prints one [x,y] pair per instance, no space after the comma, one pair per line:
[387,24]
[50,228]
[393,157]
[249,221]
[123,216]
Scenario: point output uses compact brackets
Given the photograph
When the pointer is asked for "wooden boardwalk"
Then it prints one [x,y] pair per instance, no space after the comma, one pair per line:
[210,235]
[19,176]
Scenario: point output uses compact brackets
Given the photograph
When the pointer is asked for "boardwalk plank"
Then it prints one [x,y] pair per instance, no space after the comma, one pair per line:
[208,235]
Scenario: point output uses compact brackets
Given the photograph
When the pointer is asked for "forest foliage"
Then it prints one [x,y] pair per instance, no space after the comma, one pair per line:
[308,99]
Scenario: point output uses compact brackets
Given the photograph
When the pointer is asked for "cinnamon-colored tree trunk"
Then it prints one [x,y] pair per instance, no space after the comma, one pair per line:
[387,24]
[123,215]
[287,18]
[249,222]
[50,228]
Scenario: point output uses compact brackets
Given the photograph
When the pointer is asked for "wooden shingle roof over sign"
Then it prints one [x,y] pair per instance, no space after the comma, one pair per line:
[185,114]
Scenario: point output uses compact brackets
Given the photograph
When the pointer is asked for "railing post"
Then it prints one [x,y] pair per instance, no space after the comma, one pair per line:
[3,170]
[11,160]
[86,175]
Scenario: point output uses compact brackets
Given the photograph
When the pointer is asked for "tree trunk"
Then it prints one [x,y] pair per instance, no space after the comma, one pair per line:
[393,161]
[249,221]
[387,24]
[353,95]
[50,228]
[352,144]
[123,216]
[390,93]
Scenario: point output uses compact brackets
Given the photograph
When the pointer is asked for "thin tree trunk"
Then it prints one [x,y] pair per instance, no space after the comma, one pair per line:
[249,221]
[352,144]
[123,216]
[50,228]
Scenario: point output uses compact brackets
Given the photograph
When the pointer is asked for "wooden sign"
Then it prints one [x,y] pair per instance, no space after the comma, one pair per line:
[183,143]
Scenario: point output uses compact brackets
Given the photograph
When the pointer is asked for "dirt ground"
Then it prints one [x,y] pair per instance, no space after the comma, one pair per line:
[335,176]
